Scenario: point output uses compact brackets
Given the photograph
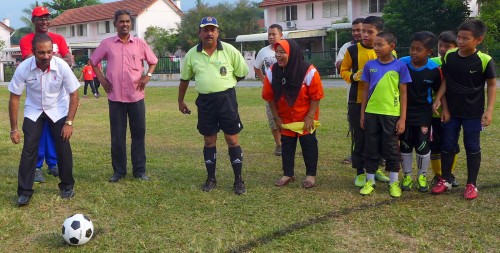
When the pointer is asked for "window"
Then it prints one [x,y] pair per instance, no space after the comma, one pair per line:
[81,30]
[72,31]
[377,6]
[310,11]
[104,27]
[334,8]
[286,13]
[62,31]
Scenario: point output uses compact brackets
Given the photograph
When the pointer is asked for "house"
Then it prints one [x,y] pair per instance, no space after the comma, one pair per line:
[85,27]
[307,21]
[6,56]
[5,33]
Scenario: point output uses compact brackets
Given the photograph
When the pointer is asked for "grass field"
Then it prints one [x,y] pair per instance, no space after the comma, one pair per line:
[171,213]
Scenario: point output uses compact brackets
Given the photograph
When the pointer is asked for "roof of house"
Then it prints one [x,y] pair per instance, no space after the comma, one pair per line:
[266,3]
[105,11]
[10,29]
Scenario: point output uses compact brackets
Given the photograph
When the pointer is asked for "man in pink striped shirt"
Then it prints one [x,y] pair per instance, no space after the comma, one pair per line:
[124,83]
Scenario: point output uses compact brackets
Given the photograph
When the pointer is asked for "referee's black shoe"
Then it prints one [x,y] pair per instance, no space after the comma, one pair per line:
[209,185]
[239,187]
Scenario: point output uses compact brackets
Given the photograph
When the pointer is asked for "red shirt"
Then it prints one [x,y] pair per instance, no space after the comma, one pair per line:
[88,73]
[60,45]
[312,89]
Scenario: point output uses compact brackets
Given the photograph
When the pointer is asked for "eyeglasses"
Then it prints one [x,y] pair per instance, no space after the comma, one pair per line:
[44,19]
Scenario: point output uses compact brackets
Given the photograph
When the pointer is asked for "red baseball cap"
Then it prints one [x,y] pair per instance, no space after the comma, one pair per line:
[40,11]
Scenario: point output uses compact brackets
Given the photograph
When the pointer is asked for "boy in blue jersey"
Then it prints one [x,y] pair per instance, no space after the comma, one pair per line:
[351,70]
[465,70]
[383,112]
[426,77]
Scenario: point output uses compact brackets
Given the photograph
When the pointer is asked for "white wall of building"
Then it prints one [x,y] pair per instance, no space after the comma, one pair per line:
[159,14]
[302,23]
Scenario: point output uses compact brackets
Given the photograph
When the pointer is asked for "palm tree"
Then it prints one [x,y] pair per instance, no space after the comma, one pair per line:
[26,19]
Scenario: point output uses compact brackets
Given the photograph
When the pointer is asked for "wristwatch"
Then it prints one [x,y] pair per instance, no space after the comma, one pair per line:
[149,74]
[68,122]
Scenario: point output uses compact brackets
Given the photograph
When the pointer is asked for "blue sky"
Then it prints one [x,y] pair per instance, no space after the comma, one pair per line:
[13,10]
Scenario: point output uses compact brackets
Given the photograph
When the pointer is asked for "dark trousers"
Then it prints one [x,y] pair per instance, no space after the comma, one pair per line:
[309,145]
[472,143]
[97,84]
[32,132]
[136,113]
[381,141]
[358,136]
[87,83]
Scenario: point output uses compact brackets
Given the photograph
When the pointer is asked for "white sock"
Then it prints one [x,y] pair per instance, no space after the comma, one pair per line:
[393,176]
[370,177]
[407,163]
[423,163]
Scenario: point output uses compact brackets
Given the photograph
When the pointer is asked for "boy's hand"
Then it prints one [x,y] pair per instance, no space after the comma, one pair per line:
[435,106]
[400,127]
[445,116]
[486,118]
[357,76]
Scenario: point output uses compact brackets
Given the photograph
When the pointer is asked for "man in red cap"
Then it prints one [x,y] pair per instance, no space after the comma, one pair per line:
[40,18]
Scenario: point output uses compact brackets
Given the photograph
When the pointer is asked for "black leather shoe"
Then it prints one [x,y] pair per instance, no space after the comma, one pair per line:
[114,179]
[67,193]
[23,200]
[209,185]
[239,187]
[142,177]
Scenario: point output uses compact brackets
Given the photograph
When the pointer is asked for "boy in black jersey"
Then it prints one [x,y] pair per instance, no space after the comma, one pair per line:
[446,40]
[465,70]
[426,77]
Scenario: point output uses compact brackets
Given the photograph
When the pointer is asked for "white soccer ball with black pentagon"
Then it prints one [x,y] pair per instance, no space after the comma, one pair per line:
[77,229]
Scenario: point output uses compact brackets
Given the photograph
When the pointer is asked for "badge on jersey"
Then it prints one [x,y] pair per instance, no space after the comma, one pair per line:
[223,71]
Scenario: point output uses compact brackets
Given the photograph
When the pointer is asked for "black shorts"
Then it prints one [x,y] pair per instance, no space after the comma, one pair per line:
[415,137]
[218,111]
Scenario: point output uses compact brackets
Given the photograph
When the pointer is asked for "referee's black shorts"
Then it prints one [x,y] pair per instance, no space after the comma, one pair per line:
[218,111]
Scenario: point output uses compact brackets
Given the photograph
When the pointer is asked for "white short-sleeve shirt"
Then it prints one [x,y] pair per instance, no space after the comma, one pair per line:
[342,51]
[45,91]
[266,57]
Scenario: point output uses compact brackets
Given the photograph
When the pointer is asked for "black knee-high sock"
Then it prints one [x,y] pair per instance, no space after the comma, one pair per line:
[236,157]
[446,163]
[210,156]
[473,164]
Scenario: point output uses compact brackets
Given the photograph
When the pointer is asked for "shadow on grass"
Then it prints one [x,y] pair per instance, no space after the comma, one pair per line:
[325,217]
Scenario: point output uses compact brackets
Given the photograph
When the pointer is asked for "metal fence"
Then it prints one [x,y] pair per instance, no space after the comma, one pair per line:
[168,65]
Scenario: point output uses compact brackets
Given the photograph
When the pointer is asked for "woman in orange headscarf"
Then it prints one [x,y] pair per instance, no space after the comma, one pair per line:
[293,88]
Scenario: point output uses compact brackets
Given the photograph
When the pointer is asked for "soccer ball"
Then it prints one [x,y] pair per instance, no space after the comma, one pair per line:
[77,229]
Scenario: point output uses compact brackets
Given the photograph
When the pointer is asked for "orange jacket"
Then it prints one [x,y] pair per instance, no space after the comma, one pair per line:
[312,89]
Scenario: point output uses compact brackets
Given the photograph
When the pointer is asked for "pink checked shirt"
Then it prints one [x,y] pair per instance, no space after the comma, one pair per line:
[125,66]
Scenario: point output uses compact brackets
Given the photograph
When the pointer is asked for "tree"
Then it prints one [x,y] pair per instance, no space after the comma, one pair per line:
[59,6]
[163,42]
[14,40]
[26,19]
[428,15]
[228,15]
[490,15]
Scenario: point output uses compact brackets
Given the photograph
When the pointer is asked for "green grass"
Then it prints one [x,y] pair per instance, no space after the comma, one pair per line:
[171,213]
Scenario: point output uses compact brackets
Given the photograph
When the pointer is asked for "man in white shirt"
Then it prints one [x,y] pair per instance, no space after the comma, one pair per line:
[51,96]
[265,59]
[356,27]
